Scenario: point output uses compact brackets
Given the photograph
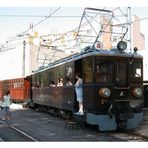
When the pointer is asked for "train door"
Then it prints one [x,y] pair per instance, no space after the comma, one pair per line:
[145,93]
[78,69]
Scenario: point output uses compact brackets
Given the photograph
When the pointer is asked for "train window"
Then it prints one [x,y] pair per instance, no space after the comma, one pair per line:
[42,75]
[18,83]
[69,71]
[60,82]
[21,83]
[44,79]
[136,69]
[38,80]
[52,83]
[53,76]
[121,71]
[69,74]
[103,71]
[15,84]
[88,70]
[60,73]
[60,76]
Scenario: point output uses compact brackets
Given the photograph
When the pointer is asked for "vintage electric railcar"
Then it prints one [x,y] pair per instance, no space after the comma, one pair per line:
[19,89]
[112,79]
[112,87]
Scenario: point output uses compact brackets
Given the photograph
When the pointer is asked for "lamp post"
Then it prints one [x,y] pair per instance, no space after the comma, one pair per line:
[23,66]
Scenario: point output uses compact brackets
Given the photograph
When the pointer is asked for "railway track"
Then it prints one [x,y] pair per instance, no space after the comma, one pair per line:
[142,137]
[126,136]
[130,136]
[11,133]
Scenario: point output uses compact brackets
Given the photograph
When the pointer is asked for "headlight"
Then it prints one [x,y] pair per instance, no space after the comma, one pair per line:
[104,92]
[122,46]
[137,92]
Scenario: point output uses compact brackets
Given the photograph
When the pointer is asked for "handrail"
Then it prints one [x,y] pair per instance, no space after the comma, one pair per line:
[96,9]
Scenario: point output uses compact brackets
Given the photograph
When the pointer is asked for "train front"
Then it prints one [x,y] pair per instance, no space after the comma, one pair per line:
[117,91]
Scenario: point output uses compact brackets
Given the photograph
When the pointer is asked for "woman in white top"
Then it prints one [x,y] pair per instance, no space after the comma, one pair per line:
[6,102]
[79,94]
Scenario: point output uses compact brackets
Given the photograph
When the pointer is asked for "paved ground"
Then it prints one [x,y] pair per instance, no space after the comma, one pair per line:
[44,127]
[142,130]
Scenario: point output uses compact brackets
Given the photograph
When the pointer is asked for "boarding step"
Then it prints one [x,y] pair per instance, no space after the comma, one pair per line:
[79,119]
[145,114]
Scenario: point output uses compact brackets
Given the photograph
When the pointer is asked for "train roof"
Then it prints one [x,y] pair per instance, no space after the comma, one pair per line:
[90,51]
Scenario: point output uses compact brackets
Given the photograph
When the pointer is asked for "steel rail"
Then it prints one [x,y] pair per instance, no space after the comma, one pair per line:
[18,130]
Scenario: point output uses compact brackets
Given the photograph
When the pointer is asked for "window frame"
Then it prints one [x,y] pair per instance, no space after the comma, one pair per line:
[88,73]
[111,71]
[132,77]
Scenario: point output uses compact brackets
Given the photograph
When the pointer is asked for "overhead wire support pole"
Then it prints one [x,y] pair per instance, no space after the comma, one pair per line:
[130,27]
[23,66]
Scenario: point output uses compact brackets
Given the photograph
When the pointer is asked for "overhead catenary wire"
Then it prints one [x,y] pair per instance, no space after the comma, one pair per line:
[59,16]
[33,26]
[51,15]
[42,20]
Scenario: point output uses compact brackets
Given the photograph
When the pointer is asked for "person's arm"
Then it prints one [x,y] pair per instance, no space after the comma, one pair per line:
[77,83]
[2,99]
[10,100]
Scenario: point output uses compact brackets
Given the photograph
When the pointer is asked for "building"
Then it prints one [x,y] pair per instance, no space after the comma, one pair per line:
[138,37]
[107,37]
[23,55]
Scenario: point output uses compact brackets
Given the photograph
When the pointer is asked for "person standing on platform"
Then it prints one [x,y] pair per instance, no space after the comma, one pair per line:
[6,102]
[79,93]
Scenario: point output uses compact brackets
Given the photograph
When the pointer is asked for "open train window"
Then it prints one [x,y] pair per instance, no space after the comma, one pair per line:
[60,76]
[88,69]
[44,78]
[104,71]
[136,70]
[69,73]
[36,80]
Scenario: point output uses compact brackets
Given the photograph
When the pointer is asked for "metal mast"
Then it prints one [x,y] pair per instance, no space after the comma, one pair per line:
[23,66]
[129,17]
